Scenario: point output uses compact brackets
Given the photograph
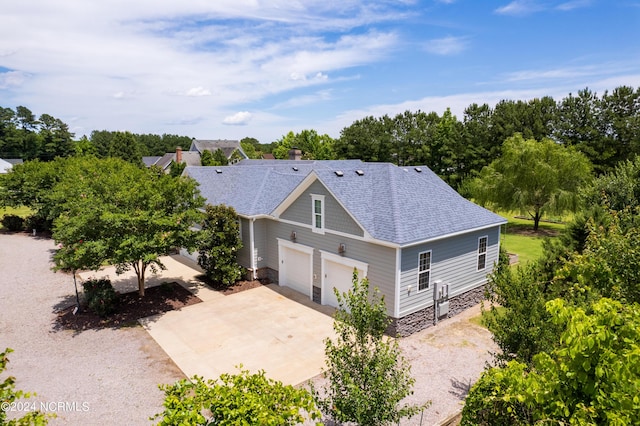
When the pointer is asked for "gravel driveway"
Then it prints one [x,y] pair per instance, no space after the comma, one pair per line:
[92,378]
[110,376]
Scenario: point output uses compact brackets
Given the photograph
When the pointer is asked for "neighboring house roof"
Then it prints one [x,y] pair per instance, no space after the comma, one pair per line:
[14,161]
[189,158]
[150,161]
[5,166]
[268,156]
[400,205]
[227,146]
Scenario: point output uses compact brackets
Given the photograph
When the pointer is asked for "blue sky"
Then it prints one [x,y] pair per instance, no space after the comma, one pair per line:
[237,68]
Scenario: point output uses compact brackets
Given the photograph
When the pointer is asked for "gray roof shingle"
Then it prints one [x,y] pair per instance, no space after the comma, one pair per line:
[394,204]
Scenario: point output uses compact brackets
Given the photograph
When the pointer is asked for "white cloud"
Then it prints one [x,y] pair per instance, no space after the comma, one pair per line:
[527,7]
[519,8]
[446,46]
[11,79]
[198,91]
[238,119]
[319,96]
[571,5]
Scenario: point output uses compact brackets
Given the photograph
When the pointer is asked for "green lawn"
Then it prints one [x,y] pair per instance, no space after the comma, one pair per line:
[518,236]
[20,211]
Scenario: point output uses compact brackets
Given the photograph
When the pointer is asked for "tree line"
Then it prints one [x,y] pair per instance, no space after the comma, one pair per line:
[605,128]
[25,136]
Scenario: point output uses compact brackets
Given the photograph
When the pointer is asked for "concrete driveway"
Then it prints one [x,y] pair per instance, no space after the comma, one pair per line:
[264,328]
[269,328]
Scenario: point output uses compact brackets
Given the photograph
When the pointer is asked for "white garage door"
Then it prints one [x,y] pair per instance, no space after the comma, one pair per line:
[338,273]
[296,269]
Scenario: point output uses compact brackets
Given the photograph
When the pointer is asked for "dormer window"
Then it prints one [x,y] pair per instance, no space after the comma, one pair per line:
[317,219]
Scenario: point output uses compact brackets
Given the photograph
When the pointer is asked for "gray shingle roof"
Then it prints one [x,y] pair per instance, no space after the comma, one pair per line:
[399,205]
[226,145]
[150,160]
[189,158]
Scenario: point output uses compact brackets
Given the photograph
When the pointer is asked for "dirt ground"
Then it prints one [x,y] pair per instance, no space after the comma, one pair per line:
[108,373]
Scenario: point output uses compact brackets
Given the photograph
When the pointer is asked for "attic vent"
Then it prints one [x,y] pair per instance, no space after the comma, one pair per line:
[295,169]
[339,173]
[218,171]
[360,172]
[418,169]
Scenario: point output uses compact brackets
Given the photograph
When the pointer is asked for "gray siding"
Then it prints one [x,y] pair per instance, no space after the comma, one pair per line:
[453,260]
[336,218]
[244,254]
[381,260]
[260,246]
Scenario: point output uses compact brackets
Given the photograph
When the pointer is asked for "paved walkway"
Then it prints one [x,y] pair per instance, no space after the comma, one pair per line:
[179,269]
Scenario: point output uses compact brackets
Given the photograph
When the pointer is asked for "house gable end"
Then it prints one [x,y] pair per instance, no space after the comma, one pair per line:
[298,208]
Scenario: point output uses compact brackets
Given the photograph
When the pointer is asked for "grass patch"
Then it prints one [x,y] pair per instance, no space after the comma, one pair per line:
[518,236]
[480,319]
[18,211]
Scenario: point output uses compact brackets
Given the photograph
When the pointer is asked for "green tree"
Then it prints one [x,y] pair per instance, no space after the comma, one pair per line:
[219,244]
[113,211]
[618,189]
[28,140]
[610,262]
[251,147]
[9,395]
[368,376]
[30,184]
[213,158]
[101,139]
[367,139]
[533,177]
[238,399]
[176,169]
[592,377]
[84,146]
[517,316]
[125,145]
[621,117]
[56,139]
[578,123]
[312,145]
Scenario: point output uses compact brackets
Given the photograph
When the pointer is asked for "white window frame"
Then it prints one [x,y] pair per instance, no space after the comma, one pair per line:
[314,214]
[482,254]
[422,271]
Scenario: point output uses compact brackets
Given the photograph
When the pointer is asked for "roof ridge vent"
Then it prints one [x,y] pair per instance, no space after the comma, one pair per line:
[360,172]
[418,169]
[339,173]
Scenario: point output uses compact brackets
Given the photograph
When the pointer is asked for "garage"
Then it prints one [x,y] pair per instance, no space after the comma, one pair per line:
[337,272]
[296,266]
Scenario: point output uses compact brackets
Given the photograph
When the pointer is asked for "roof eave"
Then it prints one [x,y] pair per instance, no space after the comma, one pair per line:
[452,234]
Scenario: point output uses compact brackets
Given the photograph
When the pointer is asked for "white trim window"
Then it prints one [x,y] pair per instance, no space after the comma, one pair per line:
[317,210]
[482,252]
[424,270]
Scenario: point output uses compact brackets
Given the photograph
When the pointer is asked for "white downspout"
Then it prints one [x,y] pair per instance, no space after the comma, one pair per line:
[252,248]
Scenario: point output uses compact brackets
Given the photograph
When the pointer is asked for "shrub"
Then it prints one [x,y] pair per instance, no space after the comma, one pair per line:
[38,223]
[220,242]
[236,399]
[13,223]
[100,296]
